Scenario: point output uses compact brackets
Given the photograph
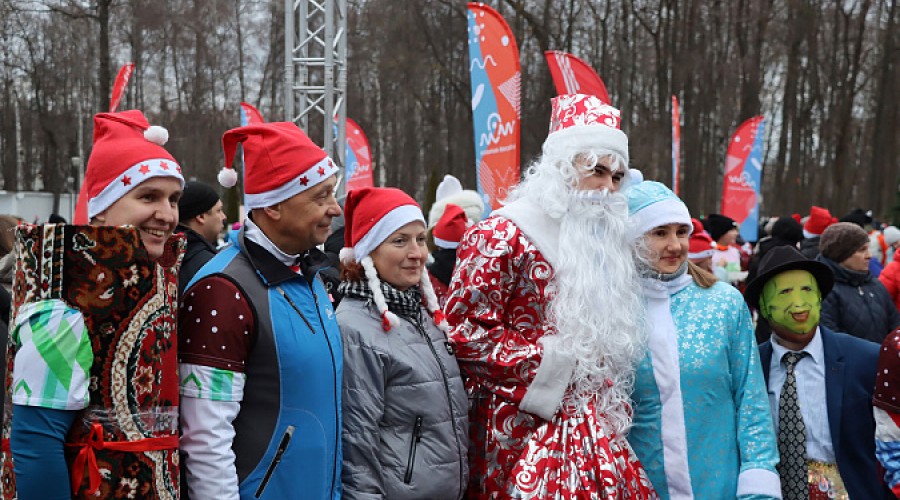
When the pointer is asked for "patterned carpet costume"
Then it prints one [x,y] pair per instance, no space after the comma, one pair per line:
[94,330]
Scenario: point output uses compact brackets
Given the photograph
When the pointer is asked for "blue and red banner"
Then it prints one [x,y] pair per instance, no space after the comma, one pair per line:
[571,75]
[676,145]
[743,172]
[495,76]
[250,115]
[358,171]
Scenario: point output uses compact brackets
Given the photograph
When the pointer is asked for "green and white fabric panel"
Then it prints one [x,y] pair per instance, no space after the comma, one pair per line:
[206,382]
[53,356]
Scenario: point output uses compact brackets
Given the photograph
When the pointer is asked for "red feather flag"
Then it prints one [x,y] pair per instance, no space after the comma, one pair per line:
[119,86]
[571,75]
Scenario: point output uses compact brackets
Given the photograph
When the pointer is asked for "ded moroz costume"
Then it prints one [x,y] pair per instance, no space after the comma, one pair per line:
[544,315]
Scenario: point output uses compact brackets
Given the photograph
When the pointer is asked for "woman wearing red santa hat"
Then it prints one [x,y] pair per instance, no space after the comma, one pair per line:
[92,353]
[405,423]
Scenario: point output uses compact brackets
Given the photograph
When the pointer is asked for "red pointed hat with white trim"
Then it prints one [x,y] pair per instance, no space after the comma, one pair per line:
[280,161]
[127,151]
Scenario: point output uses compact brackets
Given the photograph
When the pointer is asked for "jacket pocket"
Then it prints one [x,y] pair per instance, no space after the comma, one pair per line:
[413,444]
[279,453]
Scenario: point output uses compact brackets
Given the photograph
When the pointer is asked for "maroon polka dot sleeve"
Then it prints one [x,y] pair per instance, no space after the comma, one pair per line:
[215,325]
[887,384]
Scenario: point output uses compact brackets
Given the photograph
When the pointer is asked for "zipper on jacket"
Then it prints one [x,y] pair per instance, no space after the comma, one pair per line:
[413,444]
[335,384]
[443,370]
[297,309]
[279,453]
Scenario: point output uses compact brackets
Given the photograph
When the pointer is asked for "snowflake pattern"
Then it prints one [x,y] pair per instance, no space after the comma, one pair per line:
[727,420]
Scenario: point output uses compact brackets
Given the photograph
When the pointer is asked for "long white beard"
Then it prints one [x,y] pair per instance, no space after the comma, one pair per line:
[597,306]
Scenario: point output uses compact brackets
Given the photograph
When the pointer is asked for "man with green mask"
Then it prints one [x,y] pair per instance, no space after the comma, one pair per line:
[820,383]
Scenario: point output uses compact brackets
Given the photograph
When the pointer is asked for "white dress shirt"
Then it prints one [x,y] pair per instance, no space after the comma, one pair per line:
[811,394]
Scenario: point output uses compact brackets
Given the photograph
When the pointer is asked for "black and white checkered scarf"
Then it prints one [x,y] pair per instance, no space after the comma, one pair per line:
[407,304]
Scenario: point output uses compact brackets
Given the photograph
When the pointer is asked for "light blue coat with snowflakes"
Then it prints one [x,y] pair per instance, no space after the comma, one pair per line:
[702,427]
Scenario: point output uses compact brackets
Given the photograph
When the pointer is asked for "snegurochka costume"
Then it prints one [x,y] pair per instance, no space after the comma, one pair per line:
[94,331]
[702,426]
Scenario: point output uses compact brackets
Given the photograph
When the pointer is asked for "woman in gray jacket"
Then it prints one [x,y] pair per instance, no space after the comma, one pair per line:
[404,406]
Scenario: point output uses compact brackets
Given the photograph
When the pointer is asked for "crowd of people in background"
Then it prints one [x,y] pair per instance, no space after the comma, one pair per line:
[590,339]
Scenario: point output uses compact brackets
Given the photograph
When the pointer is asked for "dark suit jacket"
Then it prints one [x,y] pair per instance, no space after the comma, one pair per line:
[850,366]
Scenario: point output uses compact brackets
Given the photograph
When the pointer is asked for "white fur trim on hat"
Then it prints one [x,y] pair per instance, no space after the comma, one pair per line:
[590,138]
[668,211]
[389,222]
[701,255]
[445,244]
[388,318]
[130,179]
[470,201]
[311,177]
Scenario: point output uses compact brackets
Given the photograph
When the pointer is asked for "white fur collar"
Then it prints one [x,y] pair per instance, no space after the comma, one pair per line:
[659,289]
[540,228]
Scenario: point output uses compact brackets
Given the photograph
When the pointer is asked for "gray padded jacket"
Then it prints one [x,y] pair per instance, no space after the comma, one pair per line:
[405,422]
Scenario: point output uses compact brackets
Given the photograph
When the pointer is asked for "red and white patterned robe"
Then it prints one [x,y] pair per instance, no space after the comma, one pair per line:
[497,309]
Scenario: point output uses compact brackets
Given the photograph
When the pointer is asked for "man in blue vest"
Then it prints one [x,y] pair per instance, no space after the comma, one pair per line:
[260,351]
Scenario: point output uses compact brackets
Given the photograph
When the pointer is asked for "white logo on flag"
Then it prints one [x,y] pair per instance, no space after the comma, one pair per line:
[568,75]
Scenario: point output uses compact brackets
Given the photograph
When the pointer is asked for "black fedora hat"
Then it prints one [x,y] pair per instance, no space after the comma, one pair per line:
[786,258]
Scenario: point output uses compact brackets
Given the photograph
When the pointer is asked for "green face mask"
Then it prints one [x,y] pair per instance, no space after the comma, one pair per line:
[792,300]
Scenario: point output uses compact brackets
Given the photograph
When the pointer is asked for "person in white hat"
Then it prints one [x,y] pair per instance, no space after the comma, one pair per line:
[451,192]
[544,310]
[94,375]
[405,409]
[260,350]
[702,427]
[890,276]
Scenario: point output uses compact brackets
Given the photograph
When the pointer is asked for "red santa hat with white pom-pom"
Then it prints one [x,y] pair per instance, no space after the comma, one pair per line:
[127,151]
[451,227]
[371,215]
[280,161]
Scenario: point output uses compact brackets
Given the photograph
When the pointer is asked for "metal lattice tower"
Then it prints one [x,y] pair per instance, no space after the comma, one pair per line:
[315,41]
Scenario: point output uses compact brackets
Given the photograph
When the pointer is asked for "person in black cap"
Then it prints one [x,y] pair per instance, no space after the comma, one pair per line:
[201,219]
[820,383]
[56,219]
[727,255]
[860,217]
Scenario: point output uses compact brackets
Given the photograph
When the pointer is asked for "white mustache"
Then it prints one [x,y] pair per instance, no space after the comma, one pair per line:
[593,195]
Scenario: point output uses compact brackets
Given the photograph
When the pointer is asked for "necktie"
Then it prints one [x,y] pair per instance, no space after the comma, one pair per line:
[791,435]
